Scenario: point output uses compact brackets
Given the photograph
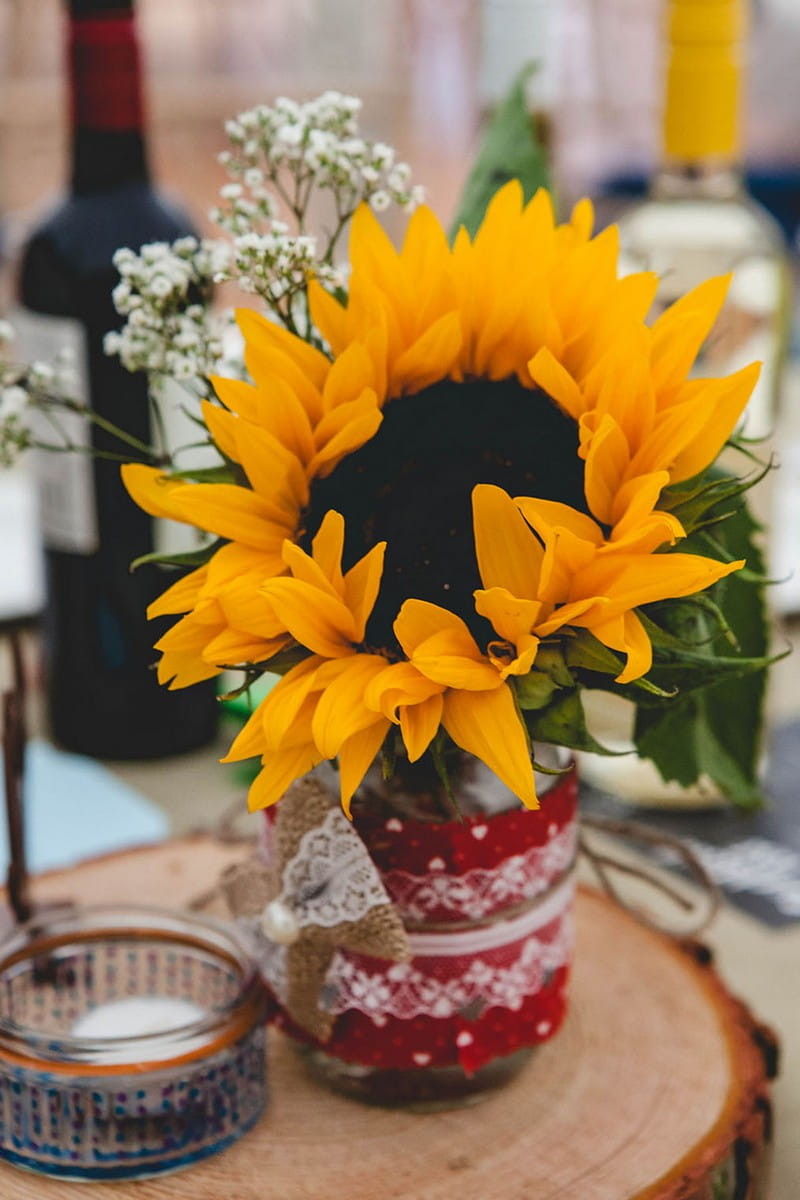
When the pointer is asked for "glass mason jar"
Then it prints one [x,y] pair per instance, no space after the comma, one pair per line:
[487,903]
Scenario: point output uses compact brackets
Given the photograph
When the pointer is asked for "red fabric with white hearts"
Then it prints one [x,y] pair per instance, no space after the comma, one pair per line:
[514,993]
[456,847]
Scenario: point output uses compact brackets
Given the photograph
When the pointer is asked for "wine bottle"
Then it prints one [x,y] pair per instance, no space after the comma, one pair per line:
[104,698]
[699,221]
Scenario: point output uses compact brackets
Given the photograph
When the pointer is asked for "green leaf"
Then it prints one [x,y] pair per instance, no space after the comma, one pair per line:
[683,745]
[550,659]
[221,474]
[188,558]
[509,150]
[535,690]
[563,723]
[716,728]
[709,490]
[586,651]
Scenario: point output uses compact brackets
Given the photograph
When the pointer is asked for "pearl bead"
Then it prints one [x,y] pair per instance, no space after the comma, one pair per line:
[280,924]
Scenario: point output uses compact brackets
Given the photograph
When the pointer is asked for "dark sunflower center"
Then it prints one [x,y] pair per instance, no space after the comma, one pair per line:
[411,486]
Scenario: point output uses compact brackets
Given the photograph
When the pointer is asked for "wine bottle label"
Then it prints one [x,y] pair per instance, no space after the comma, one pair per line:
[181,438]
[64,477]
[105,73]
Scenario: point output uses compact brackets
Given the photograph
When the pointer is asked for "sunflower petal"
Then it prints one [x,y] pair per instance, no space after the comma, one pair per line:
[509,555]
[356,757]
[280,769]
[315,618]
[260,334]
[361,586]
[419,724]
[488,725]
[233,512]
[341,711]
[154,491]
[180,597]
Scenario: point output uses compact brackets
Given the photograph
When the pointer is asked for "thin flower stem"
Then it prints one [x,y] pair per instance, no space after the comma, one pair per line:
[103,423]
[68,447]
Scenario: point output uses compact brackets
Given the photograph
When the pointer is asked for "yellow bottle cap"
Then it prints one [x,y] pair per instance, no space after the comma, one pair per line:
[701,119]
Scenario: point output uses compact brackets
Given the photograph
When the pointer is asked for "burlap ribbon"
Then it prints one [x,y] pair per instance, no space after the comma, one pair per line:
[251,886]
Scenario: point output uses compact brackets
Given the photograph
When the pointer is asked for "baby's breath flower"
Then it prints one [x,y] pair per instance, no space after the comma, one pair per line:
[380,201]
[163,333]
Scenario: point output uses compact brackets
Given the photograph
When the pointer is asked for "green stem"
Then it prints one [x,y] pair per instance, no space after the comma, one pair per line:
[68,447]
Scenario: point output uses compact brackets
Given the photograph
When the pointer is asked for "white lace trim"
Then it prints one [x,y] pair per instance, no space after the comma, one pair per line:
[436,984]
[405,991]
[460,942]
[483,890]
[331,878]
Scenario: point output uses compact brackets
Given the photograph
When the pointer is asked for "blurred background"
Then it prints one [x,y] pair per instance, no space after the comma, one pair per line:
[428,72]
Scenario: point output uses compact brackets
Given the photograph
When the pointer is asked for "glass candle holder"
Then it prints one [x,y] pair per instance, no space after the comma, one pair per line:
[131,1043]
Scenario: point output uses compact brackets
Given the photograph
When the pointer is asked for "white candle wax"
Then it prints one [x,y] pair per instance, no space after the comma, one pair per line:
[136,1016]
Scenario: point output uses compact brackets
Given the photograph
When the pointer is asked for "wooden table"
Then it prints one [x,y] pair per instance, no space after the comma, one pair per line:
[657,1083]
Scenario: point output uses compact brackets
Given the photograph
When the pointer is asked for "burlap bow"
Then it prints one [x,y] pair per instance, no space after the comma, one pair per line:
[253,888]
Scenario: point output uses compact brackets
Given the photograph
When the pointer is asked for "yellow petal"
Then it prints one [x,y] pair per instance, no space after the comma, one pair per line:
[488,725]
[154,491]
[183,670]
[284,712]
[327,547]
[356,757]
[361,586]
[429,358]
[222,427]
[249,741]
[680,331]
[232,512]
[329,316]
[235,646]
[508,554]
[341,711]
[351,374]
[419,724]
[627,634]
[582,218]
[400,684]
[553,378]
[630,580]
[237,396]
[343,430]
[315,619]
[722,402]
[546,515]
[510,616]
[419,619]
[607,460]
[274,471]
[260,334]
[180,597]
[452,658]
[281,768]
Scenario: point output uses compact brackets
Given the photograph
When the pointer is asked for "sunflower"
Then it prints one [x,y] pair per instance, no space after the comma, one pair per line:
[473,466]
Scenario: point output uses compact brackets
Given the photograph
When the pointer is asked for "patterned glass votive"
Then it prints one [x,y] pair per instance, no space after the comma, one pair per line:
[131,1043]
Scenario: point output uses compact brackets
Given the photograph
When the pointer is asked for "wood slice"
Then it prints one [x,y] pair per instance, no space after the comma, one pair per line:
[656,1088]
